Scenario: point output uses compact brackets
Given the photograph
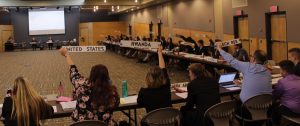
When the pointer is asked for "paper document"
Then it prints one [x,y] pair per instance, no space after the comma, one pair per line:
[275,80]
[276,75]
[182,95]
[233,88]
[129,99]
[51,97]
[68,105]
[54,108]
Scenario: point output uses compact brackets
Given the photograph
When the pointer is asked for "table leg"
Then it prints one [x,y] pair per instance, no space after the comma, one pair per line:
[129,117]
[135,117]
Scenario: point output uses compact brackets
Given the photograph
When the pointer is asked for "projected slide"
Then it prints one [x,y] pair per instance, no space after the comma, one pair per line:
[44,22]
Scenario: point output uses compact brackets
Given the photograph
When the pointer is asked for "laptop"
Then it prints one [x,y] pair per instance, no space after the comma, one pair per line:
[226,80]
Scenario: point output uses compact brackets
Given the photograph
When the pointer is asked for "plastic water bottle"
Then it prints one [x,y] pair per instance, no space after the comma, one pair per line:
[124,89]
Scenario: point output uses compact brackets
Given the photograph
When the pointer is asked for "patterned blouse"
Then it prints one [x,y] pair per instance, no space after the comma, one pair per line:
[84,110]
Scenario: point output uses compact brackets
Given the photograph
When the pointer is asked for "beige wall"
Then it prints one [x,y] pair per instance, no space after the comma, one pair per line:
[188,14]
[96,31]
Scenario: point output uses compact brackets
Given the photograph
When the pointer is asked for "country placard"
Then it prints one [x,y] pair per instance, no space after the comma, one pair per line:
[85,48]
[230,42]
[139,44]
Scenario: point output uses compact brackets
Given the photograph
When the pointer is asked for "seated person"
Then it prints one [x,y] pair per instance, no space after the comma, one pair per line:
[287,92]
[257,77]
[203,92]
[240,53]
[23,106]
[96,96]
[163,42]
[169,44]
[157,93]
[200,49]
[294,56]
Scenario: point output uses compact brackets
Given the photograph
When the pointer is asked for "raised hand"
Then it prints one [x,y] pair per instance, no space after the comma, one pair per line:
[63,51]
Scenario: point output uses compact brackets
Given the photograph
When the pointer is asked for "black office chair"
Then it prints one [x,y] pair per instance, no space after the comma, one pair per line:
[89,123]
[220,114]
[258,107]
[162,117]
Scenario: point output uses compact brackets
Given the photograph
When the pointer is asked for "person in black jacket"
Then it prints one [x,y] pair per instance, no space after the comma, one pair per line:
[157,93]
[294,56]
[203,92]
[200,49]
[240,53]
[163,42]
[169,44]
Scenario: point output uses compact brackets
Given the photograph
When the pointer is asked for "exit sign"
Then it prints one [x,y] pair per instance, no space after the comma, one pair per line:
[239,12]
[274,9]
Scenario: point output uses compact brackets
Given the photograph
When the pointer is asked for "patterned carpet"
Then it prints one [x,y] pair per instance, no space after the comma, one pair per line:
[45,69]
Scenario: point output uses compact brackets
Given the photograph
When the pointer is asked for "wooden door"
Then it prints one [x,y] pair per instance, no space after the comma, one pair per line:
[84,36]
[278,33]
[253,45]
[5,34]
[244,32]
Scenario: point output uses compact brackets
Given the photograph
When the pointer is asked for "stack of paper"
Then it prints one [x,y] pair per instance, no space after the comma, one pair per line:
[129,99]
[233,88]
[54,108]
[182,95]
[275,80]
[68,105]
[276,75]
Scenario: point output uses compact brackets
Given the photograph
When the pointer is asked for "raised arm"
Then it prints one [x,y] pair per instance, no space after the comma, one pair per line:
[161,58]
[64,52]
[240,66]
[74,74]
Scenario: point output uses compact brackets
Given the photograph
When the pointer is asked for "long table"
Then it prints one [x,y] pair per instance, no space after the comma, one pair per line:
[134,106]
[220,63]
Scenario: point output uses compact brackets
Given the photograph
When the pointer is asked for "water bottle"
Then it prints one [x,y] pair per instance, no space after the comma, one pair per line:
[124,89]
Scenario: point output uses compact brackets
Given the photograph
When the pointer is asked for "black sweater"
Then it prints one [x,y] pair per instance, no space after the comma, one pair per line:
[155,98]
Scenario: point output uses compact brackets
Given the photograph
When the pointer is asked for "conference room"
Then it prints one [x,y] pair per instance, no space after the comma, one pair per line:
[149,63]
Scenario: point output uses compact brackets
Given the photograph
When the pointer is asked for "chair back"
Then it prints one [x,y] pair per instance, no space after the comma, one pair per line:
[220,114]
[258,106]
[89,123]
[162,117]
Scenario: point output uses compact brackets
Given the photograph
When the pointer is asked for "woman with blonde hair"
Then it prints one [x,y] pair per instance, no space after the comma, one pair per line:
[25,107]
[157,93]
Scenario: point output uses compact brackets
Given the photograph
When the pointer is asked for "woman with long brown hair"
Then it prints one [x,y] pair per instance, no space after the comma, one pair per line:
[25,107]
[96,96]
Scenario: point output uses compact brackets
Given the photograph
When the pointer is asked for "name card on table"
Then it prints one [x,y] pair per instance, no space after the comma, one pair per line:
[85,48]
[230,42]
[129,99]
[211,59]
[139,44]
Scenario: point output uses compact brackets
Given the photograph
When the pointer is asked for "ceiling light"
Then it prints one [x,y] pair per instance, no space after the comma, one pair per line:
[118,7]
[105,1]
[136,1]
